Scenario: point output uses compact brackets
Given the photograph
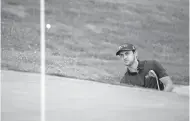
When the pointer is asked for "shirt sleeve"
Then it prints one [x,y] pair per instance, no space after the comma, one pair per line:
[123,79]
[158,68]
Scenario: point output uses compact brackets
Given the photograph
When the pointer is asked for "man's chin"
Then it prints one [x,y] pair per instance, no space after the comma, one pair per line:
[126,64]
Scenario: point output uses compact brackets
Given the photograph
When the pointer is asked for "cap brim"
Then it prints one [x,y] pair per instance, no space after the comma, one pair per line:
[118,52]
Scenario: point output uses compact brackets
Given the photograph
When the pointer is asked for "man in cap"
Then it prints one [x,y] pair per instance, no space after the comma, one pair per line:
[146,73]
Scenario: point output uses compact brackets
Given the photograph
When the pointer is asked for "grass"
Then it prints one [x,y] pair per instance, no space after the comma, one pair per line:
[85,35]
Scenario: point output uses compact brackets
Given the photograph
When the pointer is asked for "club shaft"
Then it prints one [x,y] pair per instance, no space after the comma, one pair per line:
[156,79]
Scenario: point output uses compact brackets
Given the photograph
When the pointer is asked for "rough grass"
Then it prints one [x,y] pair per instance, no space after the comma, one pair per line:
[85,35]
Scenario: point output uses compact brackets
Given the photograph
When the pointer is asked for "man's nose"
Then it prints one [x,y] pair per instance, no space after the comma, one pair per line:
[125,57]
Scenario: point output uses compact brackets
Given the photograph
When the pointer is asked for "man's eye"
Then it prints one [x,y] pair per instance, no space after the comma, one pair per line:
[126,53]
[120,55]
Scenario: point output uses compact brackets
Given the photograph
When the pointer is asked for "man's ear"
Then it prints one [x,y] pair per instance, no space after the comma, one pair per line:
[136,54]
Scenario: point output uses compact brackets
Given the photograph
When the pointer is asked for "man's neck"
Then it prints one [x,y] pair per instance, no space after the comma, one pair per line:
[133,67]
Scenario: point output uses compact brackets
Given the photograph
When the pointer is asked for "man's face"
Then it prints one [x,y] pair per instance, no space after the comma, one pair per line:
[128,57]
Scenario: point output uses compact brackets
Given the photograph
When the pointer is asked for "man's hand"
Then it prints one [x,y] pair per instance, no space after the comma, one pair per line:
[167,83]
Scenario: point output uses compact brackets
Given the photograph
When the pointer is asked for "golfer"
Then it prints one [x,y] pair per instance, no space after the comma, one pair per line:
[145,73]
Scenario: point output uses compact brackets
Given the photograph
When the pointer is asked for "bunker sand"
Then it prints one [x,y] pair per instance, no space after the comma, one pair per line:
[79,100]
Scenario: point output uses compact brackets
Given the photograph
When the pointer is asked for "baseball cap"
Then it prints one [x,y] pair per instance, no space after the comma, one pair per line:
[126,46]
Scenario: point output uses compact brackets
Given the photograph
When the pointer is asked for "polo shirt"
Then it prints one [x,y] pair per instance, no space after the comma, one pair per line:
[140,78]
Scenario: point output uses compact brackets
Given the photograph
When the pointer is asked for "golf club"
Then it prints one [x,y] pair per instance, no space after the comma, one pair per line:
[153,74]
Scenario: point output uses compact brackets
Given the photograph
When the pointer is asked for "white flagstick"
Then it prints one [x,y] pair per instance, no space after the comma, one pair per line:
[42,50]
[0,69]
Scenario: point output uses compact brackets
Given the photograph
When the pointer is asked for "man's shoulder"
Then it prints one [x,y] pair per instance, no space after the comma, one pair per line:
[154,64]
[149,61]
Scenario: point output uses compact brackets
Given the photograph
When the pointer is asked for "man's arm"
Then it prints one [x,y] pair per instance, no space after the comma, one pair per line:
[163,76]
[125,82]
[122,80]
